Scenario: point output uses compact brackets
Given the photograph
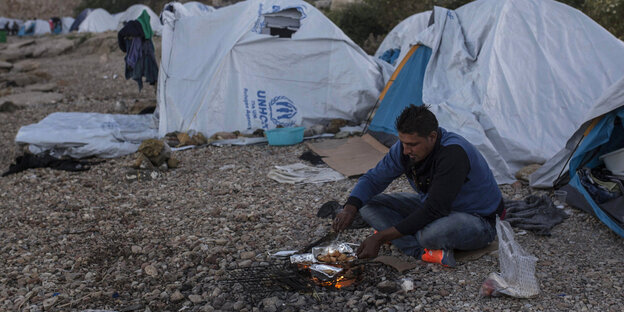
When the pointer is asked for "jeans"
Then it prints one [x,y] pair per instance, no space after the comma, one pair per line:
[458,230]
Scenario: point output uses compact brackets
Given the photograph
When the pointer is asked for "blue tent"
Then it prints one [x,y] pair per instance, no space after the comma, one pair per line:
[404,88]
[607,135]
[601,133]
[81,17]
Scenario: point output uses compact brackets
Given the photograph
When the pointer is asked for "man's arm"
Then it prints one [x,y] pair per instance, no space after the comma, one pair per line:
[451,171]
[370,184]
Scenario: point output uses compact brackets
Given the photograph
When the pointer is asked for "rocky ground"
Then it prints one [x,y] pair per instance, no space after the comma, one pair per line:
[95,240]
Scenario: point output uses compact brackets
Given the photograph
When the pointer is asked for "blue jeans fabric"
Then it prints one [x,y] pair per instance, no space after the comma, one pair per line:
[458,230]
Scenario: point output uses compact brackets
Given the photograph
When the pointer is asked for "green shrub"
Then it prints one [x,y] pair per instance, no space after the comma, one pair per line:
[368,22]
[608,13]
[116,6]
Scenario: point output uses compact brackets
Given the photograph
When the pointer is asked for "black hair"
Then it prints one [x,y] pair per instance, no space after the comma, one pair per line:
[417,119]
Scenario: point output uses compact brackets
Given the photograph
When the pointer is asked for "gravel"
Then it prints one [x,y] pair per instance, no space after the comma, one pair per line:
[94,240]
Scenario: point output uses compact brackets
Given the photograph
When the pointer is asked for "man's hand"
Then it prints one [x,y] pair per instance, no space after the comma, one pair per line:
[369,248]
[344,218]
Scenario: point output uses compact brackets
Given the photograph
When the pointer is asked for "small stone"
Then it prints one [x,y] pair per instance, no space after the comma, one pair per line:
[248,255]
[173,162]
[215,293]
[238,305]
[245,263]
[195,299]
[444,292]
[387,287]
[176,296]
[151,270]
[136,249]
[48,303]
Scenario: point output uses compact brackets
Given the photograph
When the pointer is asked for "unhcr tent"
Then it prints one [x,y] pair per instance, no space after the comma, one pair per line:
[261,64]
[98,20]
[134,12]
[515,77]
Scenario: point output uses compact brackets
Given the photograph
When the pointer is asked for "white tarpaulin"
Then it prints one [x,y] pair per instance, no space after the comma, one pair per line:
[80,135]
[98,20]
[197,8]
[134,12]
[517,77]
[220,72]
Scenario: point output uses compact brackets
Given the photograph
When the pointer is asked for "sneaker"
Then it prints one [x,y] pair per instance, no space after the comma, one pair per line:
[441,256]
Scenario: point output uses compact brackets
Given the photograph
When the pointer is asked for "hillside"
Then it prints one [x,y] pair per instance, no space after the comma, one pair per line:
[43,9]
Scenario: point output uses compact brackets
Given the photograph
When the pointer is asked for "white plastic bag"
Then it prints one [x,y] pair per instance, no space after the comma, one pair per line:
[517,276]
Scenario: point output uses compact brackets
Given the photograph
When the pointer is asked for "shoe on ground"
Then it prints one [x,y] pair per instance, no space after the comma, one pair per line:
[441,256]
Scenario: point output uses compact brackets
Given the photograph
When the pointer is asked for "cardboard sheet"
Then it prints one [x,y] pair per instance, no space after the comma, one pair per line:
[352,156]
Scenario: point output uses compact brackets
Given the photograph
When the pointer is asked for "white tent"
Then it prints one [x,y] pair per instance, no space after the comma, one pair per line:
[98,20]
[517,77]
[41,27]
[402,35]
[67,22]
[134,12]
[224,71]
[198,8]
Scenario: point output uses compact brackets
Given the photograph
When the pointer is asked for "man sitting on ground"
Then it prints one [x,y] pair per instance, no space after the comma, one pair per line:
[456,200]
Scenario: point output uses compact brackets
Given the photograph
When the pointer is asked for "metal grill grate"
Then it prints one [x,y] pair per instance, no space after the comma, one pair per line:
[268,279]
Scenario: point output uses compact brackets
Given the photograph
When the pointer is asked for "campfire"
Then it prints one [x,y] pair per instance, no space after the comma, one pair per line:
[331,266]
[303,273]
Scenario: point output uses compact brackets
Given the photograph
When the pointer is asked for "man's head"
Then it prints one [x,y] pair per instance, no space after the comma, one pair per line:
[417,127]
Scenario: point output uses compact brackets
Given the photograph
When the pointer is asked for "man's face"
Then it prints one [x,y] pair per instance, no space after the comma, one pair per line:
[418,147]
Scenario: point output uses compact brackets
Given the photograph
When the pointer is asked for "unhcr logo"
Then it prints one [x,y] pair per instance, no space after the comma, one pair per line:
[282,111]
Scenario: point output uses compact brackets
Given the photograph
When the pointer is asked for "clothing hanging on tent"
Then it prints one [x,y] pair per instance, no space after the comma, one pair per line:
[135,39]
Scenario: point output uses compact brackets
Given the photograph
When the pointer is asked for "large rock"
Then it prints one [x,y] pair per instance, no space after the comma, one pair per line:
[22,79]
[5,66]
[8,107]
[53,48]
[32,98]
[524,173]
[156,151]
[25,66]
[42,87]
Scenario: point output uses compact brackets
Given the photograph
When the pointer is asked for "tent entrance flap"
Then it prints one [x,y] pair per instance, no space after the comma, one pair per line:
[607,135]
[351,157]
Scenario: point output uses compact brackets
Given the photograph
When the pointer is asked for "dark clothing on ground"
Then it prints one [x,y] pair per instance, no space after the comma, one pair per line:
[28,161]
